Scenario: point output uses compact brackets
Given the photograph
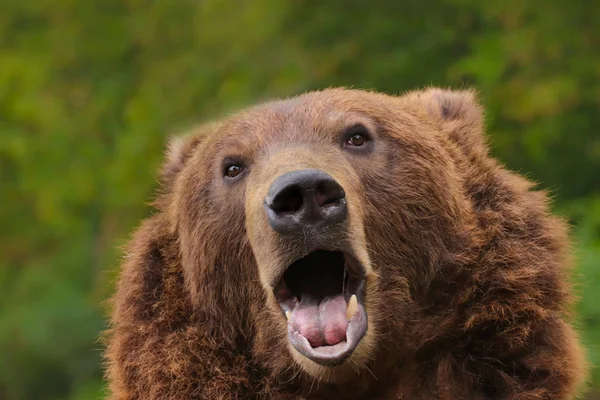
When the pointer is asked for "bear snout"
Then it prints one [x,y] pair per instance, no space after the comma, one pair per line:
[307,198]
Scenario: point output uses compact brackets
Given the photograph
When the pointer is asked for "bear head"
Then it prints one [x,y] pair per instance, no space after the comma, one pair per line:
[318,224]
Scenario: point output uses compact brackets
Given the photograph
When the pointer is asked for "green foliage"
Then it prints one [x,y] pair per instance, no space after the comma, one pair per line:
[588,278]
[89,90]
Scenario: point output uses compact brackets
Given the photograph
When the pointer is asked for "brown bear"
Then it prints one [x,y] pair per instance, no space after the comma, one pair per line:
[345,244]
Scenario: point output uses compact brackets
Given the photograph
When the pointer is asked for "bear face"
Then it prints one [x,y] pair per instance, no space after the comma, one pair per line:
[361,240]
[284,173]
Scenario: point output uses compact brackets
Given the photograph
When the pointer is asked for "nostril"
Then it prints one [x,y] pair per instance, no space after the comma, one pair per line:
[288,200]
[298,200]
[329,192]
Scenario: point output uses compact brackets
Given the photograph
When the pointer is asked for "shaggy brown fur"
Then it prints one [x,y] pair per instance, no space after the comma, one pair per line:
[467,291]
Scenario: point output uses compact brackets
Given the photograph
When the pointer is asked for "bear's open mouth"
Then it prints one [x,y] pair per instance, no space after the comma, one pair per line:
[322,296]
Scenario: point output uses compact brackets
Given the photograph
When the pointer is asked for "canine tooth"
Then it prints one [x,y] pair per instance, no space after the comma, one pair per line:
[352,306]
[288,315]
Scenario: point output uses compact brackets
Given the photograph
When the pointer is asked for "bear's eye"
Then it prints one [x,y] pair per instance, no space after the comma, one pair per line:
[356,136]
[357,140]
[234,171]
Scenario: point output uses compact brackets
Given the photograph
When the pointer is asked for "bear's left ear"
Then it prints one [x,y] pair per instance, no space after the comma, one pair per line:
[456,112]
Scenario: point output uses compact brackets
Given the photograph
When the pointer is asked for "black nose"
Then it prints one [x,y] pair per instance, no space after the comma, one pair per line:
[305,198]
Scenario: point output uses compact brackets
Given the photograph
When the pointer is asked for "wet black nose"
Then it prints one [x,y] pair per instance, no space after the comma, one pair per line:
[305,198]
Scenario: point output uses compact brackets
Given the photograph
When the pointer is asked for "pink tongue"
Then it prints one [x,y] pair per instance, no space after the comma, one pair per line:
[322,322]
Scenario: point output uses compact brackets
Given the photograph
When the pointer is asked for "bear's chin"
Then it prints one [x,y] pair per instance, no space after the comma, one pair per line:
[326,297]
[348,369]
[323,298]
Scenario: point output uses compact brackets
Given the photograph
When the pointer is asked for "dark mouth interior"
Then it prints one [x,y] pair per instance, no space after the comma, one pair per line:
[320,274]
[322,297]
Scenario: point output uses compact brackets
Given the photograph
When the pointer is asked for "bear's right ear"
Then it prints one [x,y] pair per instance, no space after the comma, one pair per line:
[456,112]
[178,151]
[180,148]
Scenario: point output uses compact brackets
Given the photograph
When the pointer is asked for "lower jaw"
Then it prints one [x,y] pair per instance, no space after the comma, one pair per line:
[342,373]
[329,356]
[290,291]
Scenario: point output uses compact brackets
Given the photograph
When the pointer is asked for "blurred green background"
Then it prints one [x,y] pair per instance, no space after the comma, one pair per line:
[89,91]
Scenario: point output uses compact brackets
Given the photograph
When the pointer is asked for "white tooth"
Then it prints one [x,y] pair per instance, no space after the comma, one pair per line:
[288,315]
[352,306]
